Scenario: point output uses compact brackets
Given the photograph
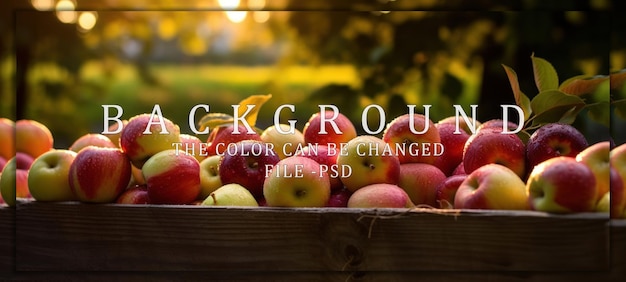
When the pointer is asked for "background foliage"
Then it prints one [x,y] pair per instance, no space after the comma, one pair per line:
[351,54]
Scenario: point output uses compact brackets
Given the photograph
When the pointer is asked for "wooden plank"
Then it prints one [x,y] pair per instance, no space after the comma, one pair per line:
[80,237]
[7,234]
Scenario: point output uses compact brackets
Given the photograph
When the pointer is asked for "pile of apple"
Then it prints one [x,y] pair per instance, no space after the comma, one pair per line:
[150,162]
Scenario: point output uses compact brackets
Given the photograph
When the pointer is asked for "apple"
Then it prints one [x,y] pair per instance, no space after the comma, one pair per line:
[246,163]
[596,157]
[447,190]
[23,161]
[92,139]
[99,175]
[398,133]
[453,144]
[617,194]
[115,138]
[136,176]
[296,182]
[222,136]
[231,195]
[494,187]
[369,163]
[32,137]
[459,170]
[3,162]
[462,124]
[562,185]
[135,195]
[554,140]
[172,177]
[491,146]
[380,195]
[604,204]
[194,146]
[339,198]
[326,157]
[209,176]
[7,138]
[313,133]
[420,181]
[498,125]
[284,144]
[617,160]
[139,146]
[13,183]
[48,177]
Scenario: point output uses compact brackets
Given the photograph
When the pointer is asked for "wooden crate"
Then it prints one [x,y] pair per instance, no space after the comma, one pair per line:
[190,242]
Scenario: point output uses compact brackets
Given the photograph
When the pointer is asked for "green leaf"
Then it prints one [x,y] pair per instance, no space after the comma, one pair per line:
[546,77]
[520,98]
[618,79]
[600,113]
[555,106]
[620,108]
[581,85]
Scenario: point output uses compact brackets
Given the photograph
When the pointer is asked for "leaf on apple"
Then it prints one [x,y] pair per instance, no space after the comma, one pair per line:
[546,77]
[212,120]
[620,108]
[582,84]
[257,101]
[555,106]
[520,98]
[617,79]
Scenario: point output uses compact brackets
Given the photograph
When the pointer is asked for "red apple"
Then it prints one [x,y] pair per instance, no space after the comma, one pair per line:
[554,140]
[339,198]
[23,161]
[172,177]
[420,181]
[617,195]
[3,162]
[380,195]
[398,133]
[139,145]
[13,183]
[462,124]
[7,138]
[136,195]
[323,156]
[447,190]
[296,182]
[498,125]
[459,170]
[32,137]
[92,139]
[562,185]
[369,163]
[313,133]
[453,144]
[596,157]
[246,163]
[494,187]
[490,146]
[221,137]
[99,175]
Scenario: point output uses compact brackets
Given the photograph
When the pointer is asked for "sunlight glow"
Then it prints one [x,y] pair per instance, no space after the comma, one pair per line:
[42,5]
[261,16]
[87,20]
[65,11]
[236,16]
[229,4]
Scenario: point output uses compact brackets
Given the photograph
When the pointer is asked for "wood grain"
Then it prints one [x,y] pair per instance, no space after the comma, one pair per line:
[81,237]
[7,234]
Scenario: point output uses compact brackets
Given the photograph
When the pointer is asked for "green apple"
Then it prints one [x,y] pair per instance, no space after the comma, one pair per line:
[209,175]
[231,195]
[296,181]
[48,178]
[604,205]
[13,183]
